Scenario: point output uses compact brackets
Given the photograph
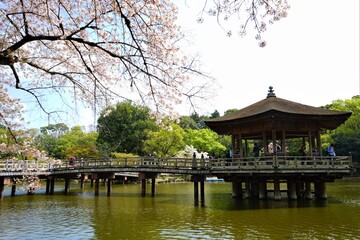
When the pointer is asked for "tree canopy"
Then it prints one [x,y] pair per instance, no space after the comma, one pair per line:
[124,128]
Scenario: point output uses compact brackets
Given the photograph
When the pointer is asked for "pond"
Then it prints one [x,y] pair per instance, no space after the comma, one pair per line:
[171,214]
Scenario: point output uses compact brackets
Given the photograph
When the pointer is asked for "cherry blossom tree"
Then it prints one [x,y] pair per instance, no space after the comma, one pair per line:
[98,52]
[95,51]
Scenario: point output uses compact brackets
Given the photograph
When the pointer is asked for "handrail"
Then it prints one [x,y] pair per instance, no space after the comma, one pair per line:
[264,162]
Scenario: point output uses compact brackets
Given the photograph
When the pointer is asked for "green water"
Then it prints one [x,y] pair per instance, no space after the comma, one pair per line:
[171,214]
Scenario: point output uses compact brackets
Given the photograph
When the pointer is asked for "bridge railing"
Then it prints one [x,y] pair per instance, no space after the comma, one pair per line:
[264,162]
[13,165]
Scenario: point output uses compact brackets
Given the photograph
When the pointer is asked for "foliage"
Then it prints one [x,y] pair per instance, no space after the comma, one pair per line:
[215,114]
[230,111]
[77,143]
[347,144]
[186,122]
[346,136]
[204,140]
[55,130]
[166,142]
[352,125]
[61,143]
[124,128]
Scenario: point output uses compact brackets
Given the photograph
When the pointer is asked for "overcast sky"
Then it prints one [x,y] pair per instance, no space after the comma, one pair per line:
[311,57]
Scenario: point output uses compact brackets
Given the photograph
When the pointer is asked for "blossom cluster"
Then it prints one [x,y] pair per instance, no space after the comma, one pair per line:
[259,12]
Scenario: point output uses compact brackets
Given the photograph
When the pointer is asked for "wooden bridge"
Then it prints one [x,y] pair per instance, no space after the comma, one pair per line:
[250,177]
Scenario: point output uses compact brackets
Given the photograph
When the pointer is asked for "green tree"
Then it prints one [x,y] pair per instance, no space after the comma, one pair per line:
[204,140]
[124,128]
[77,143]
[352,125]
[230,111]
[48,139]
[186,122]
[347,136]
[215,114]
[166,142]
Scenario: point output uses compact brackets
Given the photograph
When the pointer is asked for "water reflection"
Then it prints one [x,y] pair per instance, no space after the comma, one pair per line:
[171,214]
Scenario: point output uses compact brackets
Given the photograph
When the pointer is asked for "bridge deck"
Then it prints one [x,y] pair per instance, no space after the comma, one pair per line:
[341,165]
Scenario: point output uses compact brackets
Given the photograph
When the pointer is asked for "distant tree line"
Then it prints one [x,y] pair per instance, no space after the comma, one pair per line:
[131,129]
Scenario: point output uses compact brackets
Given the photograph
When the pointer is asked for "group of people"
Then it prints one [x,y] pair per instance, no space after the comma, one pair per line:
[330,150]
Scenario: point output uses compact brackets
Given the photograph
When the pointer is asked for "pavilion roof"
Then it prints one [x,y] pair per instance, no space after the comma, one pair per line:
[279,106]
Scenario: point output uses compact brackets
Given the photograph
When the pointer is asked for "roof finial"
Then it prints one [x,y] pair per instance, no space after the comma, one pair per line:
[271,92]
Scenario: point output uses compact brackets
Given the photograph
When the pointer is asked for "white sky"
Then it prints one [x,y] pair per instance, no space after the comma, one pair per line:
[311,57]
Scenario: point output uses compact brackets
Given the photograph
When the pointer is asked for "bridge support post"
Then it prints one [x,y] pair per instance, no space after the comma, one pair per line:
[67,185]
[109,186]
[202,193]
[247,188]
[82,181]
[236,188]
[299,188]
[277,192]
[2,186]
[52,185]
[291,189]
[153,187]
[13,187]
[320,189]
[255,188]
[196,179]
[262,189]
[196,193]
[97,186]
[143,187]
[308,194]
[47,191]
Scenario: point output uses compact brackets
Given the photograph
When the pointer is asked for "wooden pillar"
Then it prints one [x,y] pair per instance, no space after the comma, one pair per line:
[277,192]
[196,193]
[97,186]
[202,193]
[299,188]
[265,144]
[291,184]
[52,185]
[48,182]
[236,188]
[82,181]
[233,146]
[246,148]
[13,187]
[308,194]
[240,147]
[254,188]
[310,143]
[143,187]
[262,189]
[2,186]
[109,186]
[273,136]
[91,182]
[247,188]
[318,142]
[67,185]
[153,187]
[283,143]
[320,189]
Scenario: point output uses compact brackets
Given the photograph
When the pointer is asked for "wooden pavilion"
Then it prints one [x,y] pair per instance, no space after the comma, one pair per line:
[271,122]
